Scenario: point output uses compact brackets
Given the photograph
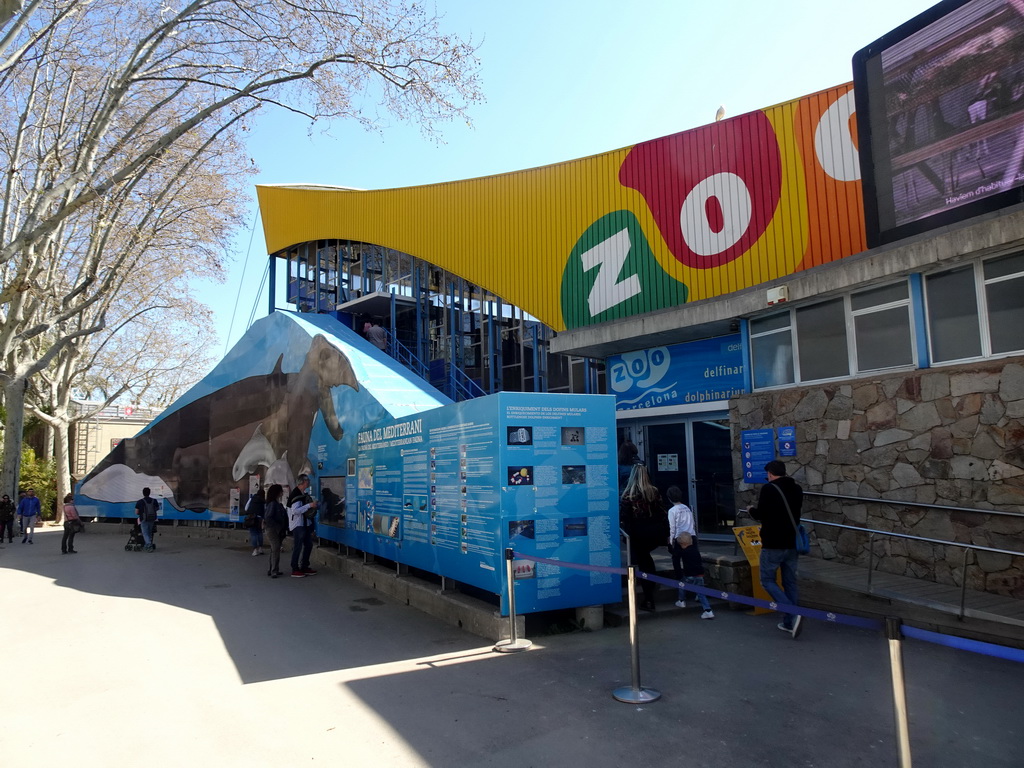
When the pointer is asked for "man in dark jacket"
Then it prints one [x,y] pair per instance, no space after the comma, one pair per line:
[778,539]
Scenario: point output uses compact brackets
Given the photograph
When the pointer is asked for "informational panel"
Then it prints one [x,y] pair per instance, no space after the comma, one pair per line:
[757,448]
[449,489]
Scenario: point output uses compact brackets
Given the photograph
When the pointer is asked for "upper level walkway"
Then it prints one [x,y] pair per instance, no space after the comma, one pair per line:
[192,656]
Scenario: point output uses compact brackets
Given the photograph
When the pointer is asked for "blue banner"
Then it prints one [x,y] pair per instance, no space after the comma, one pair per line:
[704,371]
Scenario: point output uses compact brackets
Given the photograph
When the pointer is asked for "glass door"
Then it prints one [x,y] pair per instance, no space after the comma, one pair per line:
[713,489]
[695,455]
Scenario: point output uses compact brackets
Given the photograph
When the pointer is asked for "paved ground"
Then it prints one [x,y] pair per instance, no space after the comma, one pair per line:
[192,656]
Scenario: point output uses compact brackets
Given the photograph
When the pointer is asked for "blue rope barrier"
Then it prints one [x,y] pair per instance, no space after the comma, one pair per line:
[830,617]
[827,616]
[964,644]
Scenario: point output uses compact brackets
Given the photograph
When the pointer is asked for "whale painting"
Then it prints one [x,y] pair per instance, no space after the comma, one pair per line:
[258,423]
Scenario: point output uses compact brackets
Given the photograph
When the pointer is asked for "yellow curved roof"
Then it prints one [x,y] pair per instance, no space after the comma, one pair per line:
[690,216]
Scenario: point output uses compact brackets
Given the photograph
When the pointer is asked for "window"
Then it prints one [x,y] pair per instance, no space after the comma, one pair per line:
[965,322]
[868,330]
[881,323]
[821,333]
[771,347]
[953,315]
[1004,295]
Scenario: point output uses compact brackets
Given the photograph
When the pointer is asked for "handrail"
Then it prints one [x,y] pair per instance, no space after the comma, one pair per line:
[458,383]
[915,538]
[898,503]
[871,552]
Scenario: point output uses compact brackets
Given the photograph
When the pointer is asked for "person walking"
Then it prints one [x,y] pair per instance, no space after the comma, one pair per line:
[275,526]
[6,518]
[642,516]
[28,511]
[779,504]
[255,508]
[377,336]
[72,525]
[300,523]
[686,560]
[147,510]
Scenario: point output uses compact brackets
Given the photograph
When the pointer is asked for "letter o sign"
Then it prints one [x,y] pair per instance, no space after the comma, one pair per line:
[716,214]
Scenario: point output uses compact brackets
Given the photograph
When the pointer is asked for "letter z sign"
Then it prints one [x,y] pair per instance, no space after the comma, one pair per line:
[610,272]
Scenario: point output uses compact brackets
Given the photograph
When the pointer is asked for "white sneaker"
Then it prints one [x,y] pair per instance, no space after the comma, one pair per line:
[680,603]
[708,615]
[254,553]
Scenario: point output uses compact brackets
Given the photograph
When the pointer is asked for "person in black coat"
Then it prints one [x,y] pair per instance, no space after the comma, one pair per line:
[778,539]
[642,515]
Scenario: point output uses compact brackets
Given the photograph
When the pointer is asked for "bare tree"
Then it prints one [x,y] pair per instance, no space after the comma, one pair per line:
[103,97]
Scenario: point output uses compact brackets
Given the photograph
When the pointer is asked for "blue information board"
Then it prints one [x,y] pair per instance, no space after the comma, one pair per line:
[447,490]
[787,441]
[757,448]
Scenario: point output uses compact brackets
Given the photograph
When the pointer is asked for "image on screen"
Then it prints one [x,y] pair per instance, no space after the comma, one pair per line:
[942,103]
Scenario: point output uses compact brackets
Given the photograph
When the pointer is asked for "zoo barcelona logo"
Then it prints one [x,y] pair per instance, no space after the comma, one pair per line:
[730,204]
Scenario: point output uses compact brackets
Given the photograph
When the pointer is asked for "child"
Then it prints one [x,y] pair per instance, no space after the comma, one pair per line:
[686,561]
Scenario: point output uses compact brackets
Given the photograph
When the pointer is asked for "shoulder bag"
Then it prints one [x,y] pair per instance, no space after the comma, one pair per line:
[803,541]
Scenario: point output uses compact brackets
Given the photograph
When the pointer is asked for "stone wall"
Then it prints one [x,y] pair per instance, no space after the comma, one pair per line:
[951,436]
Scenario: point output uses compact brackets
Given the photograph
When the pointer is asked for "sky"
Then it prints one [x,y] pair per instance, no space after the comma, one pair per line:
[564,79]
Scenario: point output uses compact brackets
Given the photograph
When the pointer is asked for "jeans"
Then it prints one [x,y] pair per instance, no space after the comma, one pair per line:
[7,529]
[275,538]
[67,543]
[697,581]
[148,527]
[256,538]
[302,547]
[28,526]
[771,561]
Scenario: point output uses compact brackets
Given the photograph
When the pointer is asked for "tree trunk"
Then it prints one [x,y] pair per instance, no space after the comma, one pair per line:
[62,455]
[14,399]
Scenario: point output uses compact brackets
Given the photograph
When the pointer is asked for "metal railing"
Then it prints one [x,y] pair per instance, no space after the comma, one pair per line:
[457,385]
[872,532]
[920,504]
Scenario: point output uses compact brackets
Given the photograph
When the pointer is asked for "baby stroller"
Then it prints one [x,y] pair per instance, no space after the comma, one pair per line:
[135,540]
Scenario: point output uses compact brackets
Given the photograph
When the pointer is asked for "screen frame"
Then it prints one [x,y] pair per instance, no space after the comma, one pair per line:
[873,142]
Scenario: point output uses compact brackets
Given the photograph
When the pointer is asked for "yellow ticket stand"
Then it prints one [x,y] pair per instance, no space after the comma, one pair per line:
[749,539]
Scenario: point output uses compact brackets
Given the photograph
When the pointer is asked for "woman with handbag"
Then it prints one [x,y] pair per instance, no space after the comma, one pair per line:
[275,526]
[642,516]
[72,525]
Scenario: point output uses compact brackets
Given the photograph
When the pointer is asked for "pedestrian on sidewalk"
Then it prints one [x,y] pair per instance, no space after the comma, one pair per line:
[682,543]
[148,510]
[6,518]
[779,504]
[642,516]
[275,526]
[255,509]
[28,511]
[72,525]
[301,515]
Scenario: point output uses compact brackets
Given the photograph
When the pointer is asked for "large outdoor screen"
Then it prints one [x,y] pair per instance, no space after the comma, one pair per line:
[940,114]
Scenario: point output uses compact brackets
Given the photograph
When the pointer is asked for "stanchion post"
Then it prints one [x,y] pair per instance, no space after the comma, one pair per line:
[514,643]
[635,694]
[899,691]
[963,585]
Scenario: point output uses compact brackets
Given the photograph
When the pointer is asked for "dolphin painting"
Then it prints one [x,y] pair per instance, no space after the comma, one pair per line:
[258,452]
[202,449]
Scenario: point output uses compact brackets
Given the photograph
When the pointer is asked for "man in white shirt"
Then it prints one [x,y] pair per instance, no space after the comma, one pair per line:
[301,520]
